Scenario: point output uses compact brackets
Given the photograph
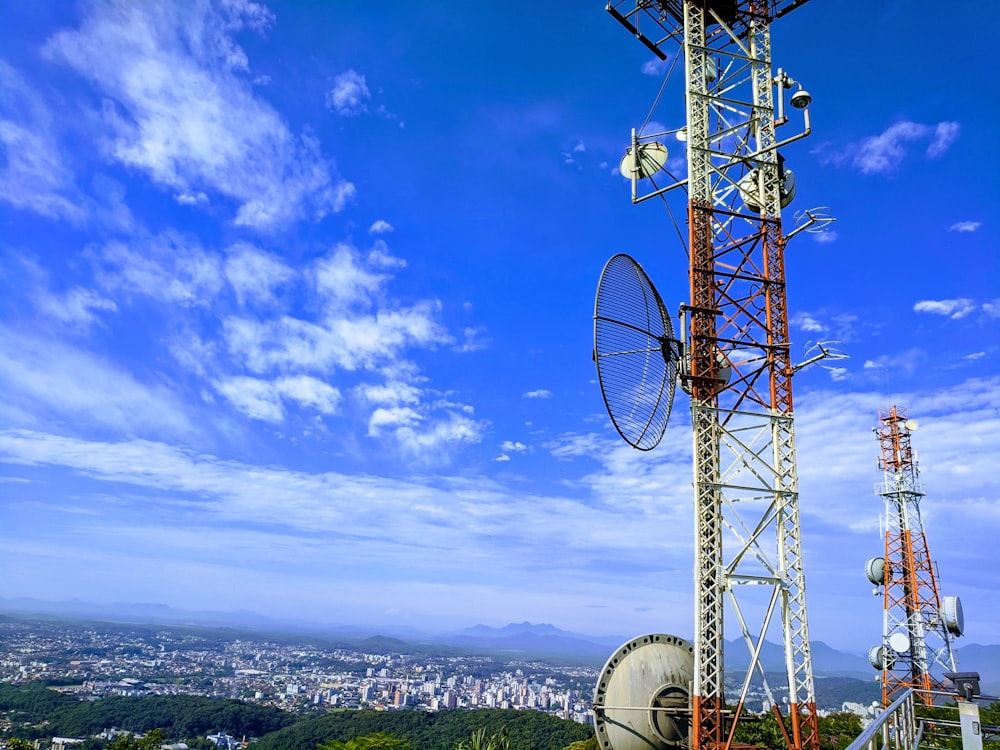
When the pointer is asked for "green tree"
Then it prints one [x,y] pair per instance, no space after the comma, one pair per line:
[480,740]
[376,741]
[16,743]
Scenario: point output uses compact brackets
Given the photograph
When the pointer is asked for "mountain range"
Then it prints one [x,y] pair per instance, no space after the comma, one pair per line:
[523,641]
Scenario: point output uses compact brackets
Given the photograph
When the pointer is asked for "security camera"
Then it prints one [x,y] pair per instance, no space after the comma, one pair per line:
[801,99]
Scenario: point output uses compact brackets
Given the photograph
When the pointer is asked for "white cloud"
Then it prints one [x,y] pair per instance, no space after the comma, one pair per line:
[654,66]
[75,308]
[391,393]
[837,374]
[380,227]
[883,153]
[965,226]
[509,446]
[952,308]
[258,399]
[391,418]
[992,308]
[179,108]
[541,393]
[263,400]
[356,329]
[501,458]
[191,199]
[344,282]
[34,172]
[254,274]
[44,379]
[825,237]
[579,148]
[380,257]
[945,134]
[168,267]
[473,340]
[432,441]
[310,392]
[349,94]
[908,361]
[807,322]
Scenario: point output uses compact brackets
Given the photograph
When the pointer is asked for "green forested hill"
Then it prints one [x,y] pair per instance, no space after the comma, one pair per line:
[180,716]
[529,730]
[186,717]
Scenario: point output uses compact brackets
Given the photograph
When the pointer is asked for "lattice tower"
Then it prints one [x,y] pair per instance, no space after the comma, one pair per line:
[748,552]
[911,600]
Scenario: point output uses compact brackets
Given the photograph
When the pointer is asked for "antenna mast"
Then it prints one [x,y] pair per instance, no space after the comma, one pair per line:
[738,368]
[917,630]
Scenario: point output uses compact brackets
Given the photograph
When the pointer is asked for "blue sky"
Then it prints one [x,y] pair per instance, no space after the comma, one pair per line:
[297,310]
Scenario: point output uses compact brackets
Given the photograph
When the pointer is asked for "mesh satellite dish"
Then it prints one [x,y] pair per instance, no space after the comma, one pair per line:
[635,351]
[643,696]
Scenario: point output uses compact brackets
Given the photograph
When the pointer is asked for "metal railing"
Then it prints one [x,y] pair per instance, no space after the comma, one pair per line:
[901,727]
[896,728]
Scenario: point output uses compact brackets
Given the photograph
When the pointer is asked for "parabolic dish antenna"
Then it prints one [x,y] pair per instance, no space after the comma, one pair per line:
[899,642]
[911,424]
[635,352]
[954,618]
[648,159]
[642,700]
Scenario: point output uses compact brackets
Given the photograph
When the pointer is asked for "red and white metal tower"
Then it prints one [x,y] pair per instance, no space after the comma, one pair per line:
[918,624]
[737,358]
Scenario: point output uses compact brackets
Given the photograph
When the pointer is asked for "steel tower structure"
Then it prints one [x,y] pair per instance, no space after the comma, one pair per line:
[917,630]
[738,369]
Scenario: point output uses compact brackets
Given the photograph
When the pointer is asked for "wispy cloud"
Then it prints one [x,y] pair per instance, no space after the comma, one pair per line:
[955,309]
[349,95]
[965,226]
[179,107]
[883,153]
[540,393]
[254,274]
[807,322]
[44,379]
[34,173]
[169,267]
[263,400]
[654,66]
[380,227]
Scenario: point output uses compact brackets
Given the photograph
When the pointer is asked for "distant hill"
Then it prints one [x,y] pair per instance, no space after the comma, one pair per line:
[528,641]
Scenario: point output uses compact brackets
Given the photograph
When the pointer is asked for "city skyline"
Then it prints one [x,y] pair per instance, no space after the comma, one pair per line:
[297,305]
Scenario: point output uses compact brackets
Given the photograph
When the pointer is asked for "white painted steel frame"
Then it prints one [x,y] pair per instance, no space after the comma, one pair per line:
[748,538]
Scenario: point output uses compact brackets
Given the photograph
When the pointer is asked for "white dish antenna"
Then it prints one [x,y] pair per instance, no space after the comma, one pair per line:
[647,160]
[954,618]
[875,570]
[911,424]
[899,642]
[643,696]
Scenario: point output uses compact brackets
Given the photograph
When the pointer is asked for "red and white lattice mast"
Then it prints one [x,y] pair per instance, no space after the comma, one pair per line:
[918,625]
[738,368]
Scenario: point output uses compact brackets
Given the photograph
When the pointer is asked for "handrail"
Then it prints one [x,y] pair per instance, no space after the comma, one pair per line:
[878,735]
